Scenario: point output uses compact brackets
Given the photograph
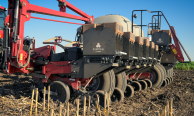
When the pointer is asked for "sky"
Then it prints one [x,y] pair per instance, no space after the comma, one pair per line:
[179,14]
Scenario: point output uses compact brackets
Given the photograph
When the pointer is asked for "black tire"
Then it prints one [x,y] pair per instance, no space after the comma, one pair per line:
[107,82]
[168,81]
[163,74]
[121,81]
[164,83]
[117,95]
[62,89]
[168,73]
[156,76]
[129,92]
[149,83]
[171,72]
[164,70]
[136,85]
[144,85]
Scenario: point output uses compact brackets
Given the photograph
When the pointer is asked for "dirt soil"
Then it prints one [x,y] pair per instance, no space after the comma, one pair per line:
[15,98]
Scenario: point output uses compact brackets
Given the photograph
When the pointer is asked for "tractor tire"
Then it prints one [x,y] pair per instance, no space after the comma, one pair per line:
[62,89]
[164,70]
[121,81]
[107,82]
[156,76]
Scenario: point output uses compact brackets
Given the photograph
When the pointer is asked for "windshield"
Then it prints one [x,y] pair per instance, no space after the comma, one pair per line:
[2,18]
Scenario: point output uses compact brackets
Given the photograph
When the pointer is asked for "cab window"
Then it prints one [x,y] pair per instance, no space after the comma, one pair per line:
[2,18]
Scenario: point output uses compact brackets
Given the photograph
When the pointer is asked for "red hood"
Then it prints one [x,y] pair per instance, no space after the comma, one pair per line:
[1,33]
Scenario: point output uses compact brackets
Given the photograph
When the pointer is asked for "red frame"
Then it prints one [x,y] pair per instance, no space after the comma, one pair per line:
[24,15]
[144,75]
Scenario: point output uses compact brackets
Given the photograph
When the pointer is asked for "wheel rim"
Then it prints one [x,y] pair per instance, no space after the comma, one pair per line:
[60,90]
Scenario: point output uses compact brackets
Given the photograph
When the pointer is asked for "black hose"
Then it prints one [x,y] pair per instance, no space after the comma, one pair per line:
[19,65]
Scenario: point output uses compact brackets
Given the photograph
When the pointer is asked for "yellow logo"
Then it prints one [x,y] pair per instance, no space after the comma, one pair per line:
[21,56]
[174,51]
[0,36]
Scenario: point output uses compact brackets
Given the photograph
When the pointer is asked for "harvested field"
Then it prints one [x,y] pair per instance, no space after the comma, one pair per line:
[15,98]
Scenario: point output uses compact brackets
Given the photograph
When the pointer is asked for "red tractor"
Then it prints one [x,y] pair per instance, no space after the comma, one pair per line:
[2,19]
[104,57]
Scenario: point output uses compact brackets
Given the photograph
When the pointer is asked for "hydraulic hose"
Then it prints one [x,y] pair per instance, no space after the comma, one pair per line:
[29,53]
[19,65]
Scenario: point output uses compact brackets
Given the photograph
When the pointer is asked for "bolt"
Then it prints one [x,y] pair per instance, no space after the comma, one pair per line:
[24,4]
[26,16]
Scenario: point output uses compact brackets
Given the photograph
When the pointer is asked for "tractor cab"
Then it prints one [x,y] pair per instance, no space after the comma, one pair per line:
[2,17]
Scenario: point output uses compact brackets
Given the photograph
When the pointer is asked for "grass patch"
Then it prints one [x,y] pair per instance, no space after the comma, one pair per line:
[185,66]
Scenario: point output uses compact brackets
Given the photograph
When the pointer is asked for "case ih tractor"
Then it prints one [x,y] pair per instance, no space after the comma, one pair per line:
[110,53]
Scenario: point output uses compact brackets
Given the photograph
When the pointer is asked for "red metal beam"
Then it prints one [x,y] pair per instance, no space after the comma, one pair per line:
[176,49]
[75,9]
[41,10]
[56,20]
